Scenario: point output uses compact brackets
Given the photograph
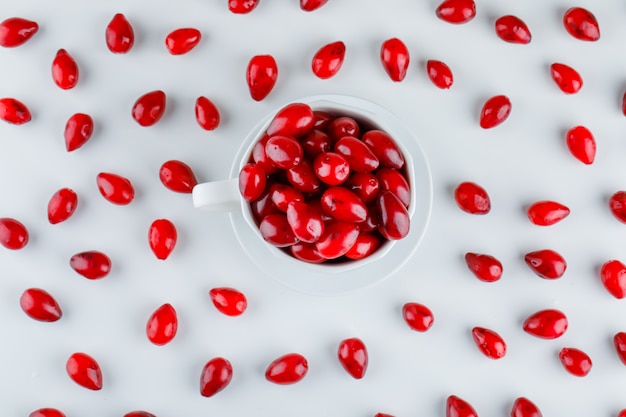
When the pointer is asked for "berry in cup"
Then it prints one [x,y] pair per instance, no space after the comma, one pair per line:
[326,187]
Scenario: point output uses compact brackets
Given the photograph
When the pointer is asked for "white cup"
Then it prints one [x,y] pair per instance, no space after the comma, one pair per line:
[326,279]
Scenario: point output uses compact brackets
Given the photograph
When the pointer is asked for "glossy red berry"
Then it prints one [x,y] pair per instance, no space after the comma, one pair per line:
[581,24]
[439,73]
[566,78]
[365,245]
[294,120]
[342,126]
[328,60]
[547,213]
[216,375]
[619,341]
[162,325]
[457,407]
[546,263]
[613,276]
[456,11]
[177,176]
[523,407]
[331,168]
[39,305]
[14,111]
[84,370]
[183,40]
[472,198]
[78,130]
[15,31]
[64,70]
[46,412]
[162,238]
[394,220]
[284,151]
[119,35]
[490,343]
[581,144]
[287,369]
[344,205]
[115,188]
[276,230]
[310,5]
[242,6]
[149,108]
[622,413]
[395,58]
[139,413]
[417,316]
[306,221]
[359,155]
[575,361]
[384,148]
[306,252]
[495,111]
[207,113]
[617,205]
[353,356]
[228,301]
[261,76]
[484,267]
[512,29]
[252,181]
[546,324]
[13,234]
[91,264]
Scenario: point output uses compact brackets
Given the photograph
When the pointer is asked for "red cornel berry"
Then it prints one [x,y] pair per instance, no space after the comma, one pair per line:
[207,113]
[162,325]
[64,70]
[617,205]
[115,188]
[119,35]
[14,111]
[484,267]
[183,40]
[613,276]
[581,24]
[261,76]
[439,73]
[619,342]
[177,176]
[46,412]
[287,369]
[216,375]
[546,263]
[353,356]
[395,58]
[62,205]
[91,264]
[489,342]
[494,111]
[417,316]
[228,301]
[472,198]
[242,6]
[39,305]
[149,108]
[512,29]
[78,130]
[328,60]
[575,361]
[566,78]
[310,5]
[456,11]
[546,324]
[523,407]
[162,238]
[457,407]
[547,213]
[15,31]
[85,371]
[13,234]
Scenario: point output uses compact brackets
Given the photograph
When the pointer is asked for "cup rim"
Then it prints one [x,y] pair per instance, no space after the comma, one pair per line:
[334,279]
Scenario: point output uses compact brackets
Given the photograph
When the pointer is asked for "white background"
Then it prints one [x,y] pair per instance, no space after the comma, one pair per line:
[410,374]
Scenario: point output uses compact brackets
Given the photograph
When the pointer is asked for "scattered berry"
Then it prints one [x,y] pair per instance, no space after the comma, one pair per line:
[119,35]
[575,361]
[13,234]
[472,198]
[85,371]
[581,24]
[216,375]
[38,304]
[512,29]
[417,316]
[228,301]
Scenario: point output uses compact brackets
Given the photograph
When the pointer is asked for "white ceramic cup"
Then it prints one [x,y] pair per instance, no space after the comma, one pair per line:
[326,279]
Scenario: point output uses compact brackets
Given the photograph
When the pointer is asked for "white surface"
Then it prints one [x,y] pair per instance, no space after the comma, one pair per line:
[519,162]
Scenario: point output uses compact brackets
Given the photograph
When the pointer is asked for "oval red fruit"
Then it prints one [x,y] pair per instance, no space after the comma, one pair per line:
[395,58]
[295,120]
[216,375]
[472,198]
[162,238]
[91,264]
[337,239]
[342,204]
[581,24]
[575,361]
[62,205]
[14,111]
[328,59]
[84,370]
[617,205]
[228,301]
[306,252]
[547,213]
[287,369]
[485,267]
[316,142]
[385,148]
[439,73]
[365,245]
[78,130]
[39,305]
[331,168]
[261,76]
[207,113]
[183,40]
[119,35]
[64,70]
[394,220]
[353,356]
[456,11]
[613,276]
[394,181]
[149,108]
[162,325]
[523,407]
[15,31]
[419,317]
[359,156]
[495,111]
[276,230]
[115,188]
[177,176]
[281,195]
[305,221]
[546,263]
[546,324]
[512,29]
[302,177]
[13,234]
[566,78]
[242,6]
[457,407]
[581,144]
[619,341]
[252,181]
[363,184]
[342,126]
[284,151]
[46,412]
[489,342]
[310,5]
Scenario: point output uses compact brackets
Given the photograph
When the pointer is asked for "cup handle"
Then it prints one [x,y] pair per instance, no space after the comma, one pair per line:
[216,196]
